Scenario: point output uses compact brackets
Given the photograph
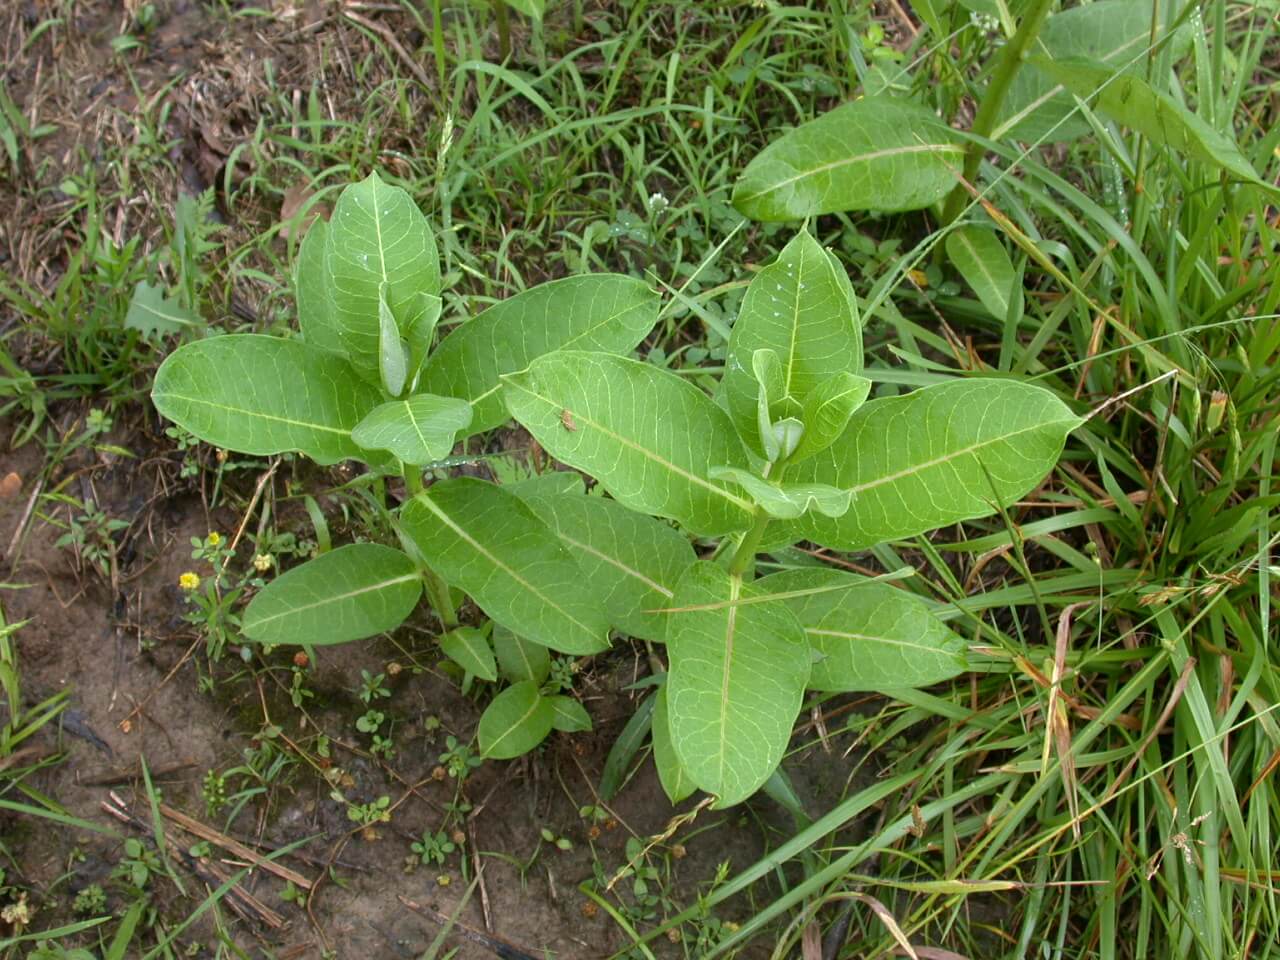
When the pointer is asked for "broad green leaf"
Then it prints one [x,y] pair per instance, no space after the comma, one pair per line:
[827,410]
[154,315]
[1115,33]
[530,8]
[787,501]
[553,483]
[518,719]
[936,456]
[264,395]
[675,782]
[984,263]
[393,358]
[356,591]
[311,291]
[520,659]
[630,562]
[604,312]
[487,543]
[469,649]
[419,329]
[570,716]
[868,635]
[377,235]
[647,435]
[798,308]
[877,153]
[738,671]
[418,430]
[1128,100]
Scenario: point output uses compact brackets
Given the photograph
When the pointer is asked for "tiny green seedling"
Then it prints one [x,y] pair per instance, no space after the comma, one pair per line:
[789,449]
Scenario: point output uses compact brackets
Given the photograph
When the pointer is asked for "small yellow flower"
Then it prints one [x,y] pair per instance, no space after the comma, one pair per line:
[215,538]
[189,581]
[262,562]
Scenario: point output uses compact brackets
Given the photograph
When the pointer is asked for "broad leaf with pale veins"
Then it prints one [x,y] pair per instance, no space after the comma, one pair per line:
[418,430]
[985,265]
[647,435]
[630,562]
[264,395]
[676,784]
[604,312]
[468,647]
[800,308]
[877,153]
[356,591]
[868,635]
[936,456]
[738,672]
[518,719]
[487,543]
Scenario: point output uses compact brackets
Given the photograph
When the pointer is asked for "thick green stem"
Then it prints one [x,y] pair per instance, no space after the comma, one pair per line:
[503,17]
[1006,68]
[441,602]
[750,544]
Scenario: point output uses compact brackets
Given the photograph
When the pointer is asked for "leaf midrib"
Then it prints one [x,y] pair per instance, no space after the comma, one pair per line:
[615,562]
[476,545]
[857,158]
[295,610]
[730,631]
[946,458]
[888,641]
[256,414]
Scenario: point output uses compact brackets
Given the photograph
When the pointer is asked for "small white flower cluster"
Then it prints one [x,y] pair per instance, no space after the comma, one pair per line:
[984,22]
[658,202]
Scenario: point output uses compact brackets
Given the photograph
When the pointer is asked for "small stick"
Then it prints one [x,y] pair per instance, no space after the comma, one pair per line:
[234,846]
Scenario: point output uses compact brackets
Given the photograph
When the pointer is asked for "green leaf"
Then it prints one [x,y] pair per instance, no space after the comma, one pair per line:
[630,562]
[647,435]
[469,649]
[984,263]
[868,635]
[487,543]
[263,395]
[877,153]
[787,501]
[393,358]
[827,409]
[936,456]
[608,313]
[799,308]
[570,715]
[356,591]
[1128,99]
[311,291]
[1113,32]
[154,315]
[738,671]
[418,430]
[518,719]
[676,783]
[376,236]
[520,659]
[530,8]
[618,764]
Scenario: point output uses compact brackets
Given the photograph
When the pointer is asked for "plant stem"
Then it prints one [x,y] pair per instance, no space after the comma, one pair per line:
[412,479]
[746,552]
[441,602]
[503,17]
[984,122]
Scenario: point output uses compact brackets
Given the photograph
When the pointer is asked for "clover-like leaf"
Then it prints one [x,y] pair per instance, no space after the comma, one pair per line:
[598,312]
[868,635]
[417,430]
[942,454]
[356,591]
[486,542]
[646,434]
[264,395]
[877,153]
[518,719]
[738,671]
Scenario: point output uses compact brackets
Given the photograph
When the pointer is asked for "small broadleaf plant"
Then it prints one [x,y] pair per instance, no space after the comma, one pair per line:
[789,448]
